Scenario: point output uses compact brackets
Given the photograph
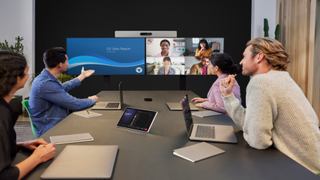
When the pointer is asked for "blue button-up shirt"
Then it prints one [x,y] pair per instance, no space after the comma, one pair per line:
[49,101]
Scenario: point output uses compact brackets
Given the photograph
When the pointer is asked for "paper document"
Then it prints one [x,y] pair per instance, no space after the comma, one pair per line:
[87,114]
[197,152]
[72,138]
[206,113]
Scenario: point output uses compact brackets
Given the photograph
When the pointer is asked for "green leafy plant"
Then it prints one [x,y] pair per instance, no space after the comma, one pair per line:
[277,32]
[62,78]
[18,47]
[266,27]
[266,30]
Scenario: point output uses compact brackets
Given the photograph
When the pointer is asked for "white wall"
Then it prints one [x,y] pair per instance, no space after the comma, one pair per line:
[263,9]
[17,19]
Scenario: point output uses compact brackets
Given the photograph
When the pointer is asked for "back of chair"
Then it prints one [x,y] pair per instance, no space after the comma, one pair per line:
[25,103]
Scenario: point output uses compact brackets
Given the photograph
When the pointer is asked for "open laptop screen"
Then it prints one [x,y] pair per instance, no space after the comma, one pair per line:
[187,113]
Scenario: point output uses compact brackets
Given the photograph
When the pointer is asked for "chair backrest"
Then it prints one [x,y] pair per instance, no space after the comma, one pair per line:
[25,103]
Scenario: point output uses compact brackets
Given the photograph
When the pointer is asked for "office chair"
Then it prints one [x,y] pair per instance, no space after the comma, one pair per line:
[25,103]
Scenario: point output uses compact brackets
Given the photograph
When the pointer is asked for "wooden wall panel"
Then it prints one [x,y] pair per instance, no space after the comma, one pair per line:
[300,35]
[315,66]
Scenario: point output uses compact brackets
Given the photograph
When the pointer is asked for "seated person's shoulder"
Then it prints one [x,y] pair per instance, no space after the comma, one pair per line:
[260,77]
[4,111]
[49,84]
[263,81]
[40,79]
[195,65]
[5,115]
[173,71]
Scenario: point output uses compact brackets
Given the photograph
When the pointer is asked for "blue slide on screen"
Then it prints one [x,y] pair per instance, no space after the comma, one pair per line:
[107,56]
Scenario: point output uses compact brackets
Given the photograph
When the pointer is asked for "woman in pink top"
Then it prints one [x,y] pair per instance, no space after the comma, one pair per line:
[222,65]
[165,46]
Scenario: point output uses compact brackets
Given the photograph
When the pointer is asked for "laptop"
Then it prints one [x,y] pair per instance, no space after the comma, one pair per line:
[176,106]
[206,132]
[110,104]
[83,162]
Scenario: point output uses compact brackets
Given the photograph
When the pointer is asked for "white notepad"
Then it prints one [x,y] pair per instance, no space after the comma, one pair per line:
[205,113]
[87,114]
[197,152]
[71,138]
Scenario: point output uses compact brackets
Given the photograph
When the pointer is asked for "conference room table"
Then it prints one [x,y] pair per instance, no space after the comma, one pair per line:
[150,155]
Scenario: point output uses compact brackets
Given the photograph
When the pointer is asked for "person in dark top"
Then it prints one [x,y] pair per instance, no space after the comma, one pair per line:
[13,76]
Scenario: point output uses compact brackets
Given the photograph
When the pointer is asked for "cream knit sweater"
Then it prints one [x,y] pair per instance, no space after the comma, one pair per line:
[278,114]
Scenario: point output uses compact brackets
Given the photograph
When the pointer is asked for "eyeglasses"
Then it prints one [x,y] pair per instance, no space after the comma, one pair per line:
[207,62]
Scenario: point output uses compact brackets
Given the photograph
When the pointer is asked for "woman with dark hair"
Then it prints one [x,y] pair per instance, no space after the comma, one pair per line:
[222,66]
[166,69]
[13,76]
[165,46]
[203,48]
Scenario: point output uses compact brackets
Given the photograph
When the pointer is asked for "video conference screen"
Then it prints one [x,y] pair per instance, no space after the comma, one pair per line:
[142,56]
[107,56]
[180,56]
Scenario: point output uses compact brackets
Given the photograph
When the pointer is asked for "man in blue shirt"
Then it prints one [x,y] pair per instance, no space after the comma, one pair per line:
[49,101]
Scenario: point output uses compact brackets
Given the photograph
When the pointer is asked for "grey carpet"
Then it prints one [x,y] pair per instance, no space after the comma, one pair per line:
[23,131]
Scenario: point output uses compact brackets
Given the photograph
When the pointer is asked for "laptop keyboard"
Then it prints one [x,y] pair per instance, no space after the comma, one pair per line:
[112,105]
[205,132]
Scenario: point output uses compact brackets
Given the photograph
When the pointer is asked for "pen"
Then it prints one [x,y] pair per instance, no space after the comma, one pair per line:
[88,112]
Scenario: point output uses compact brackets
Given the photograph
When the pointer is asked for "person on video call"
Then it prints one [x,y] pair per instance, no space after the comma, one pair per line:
[202,68]
[49,101]
[166,69]
[13,76]
[222,66]
[278,113]
[203,49]
[165,46]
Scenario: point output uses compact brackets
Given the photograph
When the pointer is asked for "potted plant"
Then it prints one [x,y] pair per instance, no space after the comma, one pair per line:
[266,29]
[63,77]
[18,47]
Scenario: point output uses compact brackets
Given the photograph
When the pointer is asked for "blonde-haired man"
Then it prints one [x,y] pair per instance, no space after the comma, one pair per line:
[277,113]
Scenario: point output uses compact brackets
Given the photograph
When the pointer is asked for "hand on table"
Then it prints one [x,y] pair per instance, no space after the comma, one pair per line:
[44,152]
[33,144]
[199,105]
[94,98]
[198,100]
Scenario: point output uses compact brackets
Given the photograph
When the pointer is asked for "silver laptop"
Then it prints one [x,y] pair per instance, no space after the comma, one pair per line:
[206,132]
[110,104]
[83,162]
[176,106]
